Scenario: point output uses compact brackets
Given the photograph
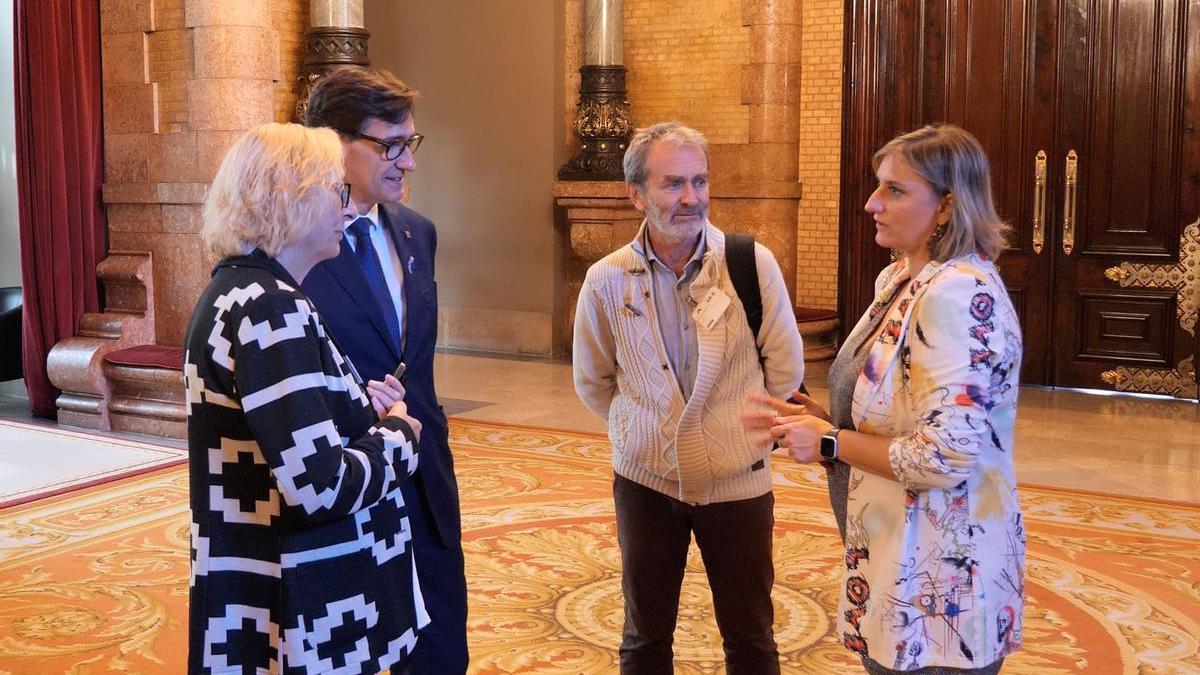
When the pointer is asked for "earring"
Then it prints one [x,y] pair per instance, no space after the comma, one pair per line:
[936,237]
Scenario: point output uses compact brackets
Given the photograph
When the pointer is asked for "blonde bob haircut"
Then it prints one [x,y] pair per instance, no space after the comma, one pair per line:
[269,188]
[953,163]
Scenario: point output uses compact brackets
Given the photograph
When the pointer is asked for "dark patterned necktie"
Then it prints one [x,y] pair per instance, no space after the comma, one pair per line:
[364,252]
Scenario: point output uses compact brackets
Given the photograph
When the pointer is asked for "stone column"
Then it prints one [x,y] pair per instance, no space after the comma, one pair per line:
[180,82]
[335,14]
[771,86]
[765,196]
[602,116]
[595,215]
[603,33]
[336,38]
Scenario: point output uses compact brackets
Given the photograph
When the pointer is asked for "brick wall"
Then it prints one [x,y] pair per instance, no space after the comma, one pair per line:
[685,59]
[820,154]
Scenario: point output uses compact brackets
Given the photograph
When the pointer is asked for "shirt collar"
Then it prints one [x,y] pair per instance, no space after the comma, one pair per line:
[372,215]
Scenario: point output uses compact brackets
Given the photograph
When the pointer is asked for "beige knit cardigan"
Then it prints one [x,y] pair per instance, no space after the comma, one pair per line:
[694,450]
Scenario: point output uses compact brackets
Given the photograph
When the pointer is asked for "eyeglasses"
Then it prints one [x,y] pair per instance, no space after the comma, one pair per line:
[393,149]
[345,195]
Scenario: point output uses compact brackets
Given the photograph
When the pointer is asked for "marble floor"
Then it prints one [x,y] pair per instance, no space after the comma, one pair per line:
[1108,444]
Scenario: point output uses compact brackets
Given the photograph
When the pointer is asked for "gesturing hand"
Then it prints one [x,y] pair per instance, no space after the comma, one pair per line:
[760,415]
[810,406]
[791,426]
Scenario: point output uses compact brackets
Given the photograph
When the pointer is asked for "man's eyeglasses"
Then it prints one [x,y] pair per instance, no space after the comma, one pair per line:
[393,149]
[345,195]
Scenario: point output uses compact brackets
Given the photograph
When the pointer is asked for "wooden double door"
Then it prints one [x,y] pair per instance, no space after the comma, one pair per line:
[1088,110]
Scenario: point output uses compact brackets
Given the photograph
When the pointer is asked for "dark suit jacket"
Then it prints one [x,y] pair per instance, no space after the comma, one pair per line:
[339,290]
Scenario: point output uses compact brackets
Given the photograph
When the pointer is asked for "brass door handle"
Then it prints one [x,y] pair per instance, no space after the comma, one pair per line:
[1118,274]
[1039,201]
[1069,189]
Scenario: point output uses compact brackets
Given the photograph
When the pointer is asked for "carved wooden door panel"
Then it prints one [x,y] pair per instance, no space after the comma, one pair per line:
[1128,171]
[1117,83]
[990,69]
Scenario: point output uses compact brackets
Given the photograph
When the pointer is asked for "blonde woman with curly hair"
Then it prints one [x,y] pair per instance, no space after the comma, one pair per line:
[299,535]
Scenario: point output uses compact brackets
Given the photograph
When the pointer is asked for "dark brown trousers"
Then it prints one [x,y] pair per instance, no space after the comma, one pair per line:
[654,532]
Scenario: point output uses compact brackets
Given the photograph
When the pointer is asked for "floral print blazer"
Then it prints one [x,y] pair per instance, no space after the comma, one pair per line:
[935,560]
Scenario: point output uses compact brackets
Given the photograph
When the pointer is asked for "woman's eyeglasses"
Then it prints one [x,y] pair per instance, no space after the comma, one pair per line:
[345,195]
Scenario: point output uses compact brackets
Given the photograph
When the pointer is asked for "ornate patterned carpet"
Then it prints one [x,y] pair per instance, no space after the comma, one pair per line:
[96,581]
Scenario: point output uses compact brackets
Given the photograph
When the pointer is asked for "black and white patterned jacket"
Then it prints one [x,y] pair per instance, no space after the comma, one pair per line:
[300,540]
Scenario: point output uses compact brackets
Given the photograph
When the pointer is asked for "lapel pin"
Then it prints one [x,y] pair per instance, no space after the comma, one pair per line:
[407,233]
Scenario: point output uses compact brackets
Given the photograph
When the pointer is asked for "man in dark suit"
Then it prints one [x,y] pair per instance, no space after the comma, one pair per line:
[379,298]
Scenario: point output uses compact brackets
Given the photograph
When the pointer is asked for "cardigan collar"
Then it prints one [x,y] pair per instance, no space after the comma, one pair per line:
[260,260]
[641,242]
[711,265]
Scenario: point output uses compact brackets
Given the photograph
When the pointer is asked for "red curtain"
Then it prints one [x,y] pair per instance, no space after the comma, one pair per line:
[59,173]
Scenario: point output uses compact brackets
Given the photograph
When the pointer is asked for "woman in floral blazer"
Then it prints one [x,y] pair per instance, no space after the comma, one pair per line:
[923,401]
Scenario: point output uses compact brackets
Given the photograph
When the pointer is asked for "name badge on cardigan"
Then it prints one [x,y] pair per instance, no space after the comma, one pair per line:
[711,308]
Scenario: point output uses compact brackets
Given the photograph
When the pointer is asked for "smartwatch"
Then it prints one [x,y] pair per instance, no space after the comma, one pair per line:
[829,444]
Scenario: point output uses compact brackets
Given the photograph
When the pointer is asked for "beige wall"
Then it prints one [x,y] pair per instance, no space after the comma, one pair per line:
[491,84]
[494,102]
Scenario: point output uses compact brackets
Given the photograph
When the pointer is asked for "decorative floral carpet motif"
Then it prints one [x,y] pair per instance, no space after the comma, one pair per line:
[96,581]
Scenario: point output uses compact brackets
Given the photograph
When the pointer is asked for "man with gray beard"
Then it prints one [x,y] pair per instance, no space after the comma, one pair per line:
[664,353]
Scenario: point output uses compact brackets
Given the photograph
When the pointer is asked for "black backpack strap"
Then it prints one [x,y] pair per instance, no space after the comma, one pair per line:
[743,272]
